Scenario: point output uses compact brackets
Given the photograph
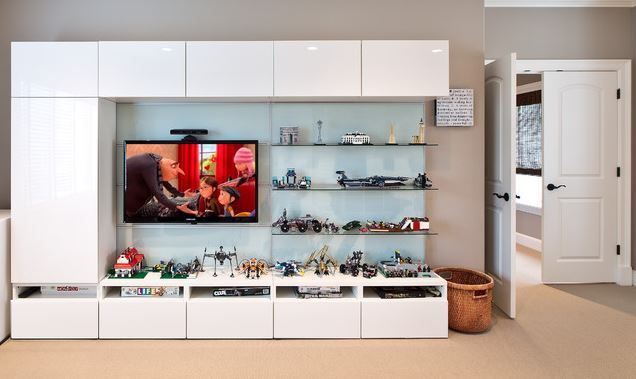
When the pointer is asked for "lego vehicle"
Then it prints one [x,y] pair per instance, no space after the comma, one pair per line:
[370,181]
[355,224]
[128,263]
[330,227]
[353,265]
[253,268]
[399,267]
[290,268]
[302,224]
[220,256]
[415,223]
[324,263]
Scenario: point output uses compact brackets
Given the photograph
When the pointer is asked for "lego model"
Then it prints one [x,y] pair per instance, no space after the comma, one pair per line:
[353,265]
[324,263]
[173,270]
[391,134]
[128,263]
[420,138]
[289,181]
[355,224]
[253,268]
[355,138]
[290,268]
[300,223]
[422,181]
[370,181]
[319,139]
[330,227]
[220,256]
[399,267]
[415,223]
[382,226]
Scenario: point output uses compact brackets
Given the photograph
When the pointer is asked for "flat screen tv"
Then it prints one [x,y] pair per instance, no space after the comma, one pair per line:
[190,182]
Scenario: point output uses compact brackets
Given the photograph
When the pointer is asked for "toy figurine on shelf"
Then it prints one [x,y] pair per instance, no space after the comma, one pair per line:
[253,268]
[324,263]
[353,265]
[422,181]
[420,138]
[330,227]
[400,267]
[391,135]
[220,256]
[319,139]
[355,138]
[290,268]
[128,264]
[291,177]
[305,182]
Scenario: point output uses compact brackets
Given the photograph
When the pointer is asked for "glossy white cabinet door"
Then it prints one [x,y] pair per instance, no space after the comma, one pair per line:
[141,69]
[230,69]
[404,68]
[317,68]
[54,190]
[53,69]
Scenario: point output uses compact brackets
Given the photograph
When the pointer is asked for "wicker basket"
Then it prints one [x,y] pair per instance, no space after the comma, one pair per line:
[469,299]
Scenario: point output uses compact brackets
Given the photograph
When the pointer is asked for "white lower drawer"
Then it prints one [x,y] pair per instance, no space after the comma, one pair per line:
[54,318]
[404,318]
[316,318]
[142,318]
[230,318]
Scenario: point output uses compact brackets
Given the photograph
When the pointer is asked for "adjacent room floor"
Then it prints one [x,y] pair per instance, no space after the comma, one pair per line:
[561,331]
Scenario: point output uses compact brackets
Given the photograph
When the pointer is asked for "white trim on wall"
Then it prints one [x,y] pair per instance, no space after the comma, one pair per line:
[559,3]
[529,242]
[529,209]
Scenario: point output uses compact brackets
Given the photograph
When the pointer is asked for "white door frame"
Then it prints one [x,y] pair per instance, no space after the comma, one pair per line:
[624,70]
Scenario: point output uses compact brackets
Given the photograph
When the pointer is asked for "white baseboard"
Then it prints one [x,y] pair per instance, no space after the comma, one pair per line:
[529,242]
[634,278]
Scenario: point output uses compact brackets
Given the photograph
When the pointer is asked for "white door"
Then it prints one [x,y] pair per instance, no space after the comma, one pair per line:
[580,158]
[501,126]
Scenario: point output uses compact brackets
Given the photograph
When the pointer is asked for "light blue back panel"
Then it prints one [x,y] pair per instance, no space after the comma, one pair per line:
[261,121]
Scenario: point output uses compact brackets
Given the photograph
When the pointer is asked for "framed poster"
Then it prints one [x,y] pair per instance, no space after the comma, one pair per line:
[455,109]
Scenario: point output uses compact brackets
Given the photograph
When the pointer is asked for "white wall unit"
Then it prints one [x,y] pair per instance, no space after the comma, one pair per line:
[141,69]
[54,318]
[5,272]
[405,68]
[317,68]
[242,317]
[404,318]
[53,69]
[142,318]
[230,69]
[54,170]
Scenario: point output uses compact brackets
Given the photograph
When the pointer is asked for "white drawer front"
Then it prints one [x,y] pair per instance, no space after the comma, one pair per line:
[54,318]
[317,319]
[236,318]
[404,318]
[142,318]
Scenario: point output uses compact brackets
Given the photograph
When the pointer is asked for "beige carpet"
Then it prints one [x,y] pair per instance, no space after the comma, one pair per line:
[560,332]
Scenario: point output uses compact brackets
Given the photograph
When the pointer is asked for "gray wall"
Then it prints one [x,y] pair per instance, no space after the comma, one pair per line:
[529,224]
[567,33]
[457,166]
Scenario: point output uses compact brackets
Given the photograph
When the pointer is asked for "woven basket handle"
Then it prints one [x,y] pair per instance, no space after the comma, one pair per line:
[480,294]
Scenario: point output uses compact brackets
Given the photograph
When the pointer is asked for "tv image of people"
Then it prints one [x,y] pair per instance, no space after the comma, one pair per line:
[186,182]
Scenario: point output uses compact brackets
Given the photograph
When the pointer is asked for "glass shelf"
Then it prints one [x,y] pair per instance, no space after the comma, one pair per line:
[335,187]
[278,232]
[369,145]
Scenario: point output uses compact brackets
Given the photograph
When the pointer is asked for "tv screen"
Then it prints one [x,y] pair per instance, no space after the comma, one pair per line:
[193,182]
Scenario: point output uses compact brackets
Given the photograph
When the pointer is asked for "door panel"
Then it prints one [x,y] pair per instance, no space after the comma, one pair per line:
[501,122]
[580,152]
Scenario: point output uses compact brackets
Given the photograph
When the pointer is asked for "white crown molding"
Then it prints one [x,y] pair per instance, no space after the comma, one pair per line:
[559,3]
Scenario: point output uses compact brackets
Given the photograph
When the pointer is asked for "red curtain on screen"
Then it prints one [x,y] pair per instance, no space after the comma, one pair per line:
[225,161]
[189,162]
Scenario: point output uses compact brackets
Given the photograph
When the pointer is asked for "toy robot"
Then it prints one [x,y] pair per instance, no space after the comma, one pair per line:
[253,268]
[323,261]
[221,256]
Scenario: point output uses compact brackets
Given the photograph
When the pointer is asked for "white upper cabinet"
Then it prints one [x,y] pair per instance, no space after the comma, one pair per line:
[54,69]
[142,69]
[317,68]
[230,69]
[404,68]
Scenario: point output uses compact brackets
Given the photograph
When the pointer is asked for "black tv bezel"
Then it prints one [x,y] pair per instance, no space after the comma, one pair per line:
[190,219]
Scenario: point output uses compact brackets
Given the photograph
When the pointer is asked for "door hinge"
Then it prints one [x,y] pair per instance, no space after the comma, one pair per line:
[618,93]
[618,249]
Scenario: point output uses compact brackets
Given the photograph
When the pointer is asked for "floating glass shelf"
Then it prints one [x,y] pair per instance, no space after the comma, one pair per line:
[371,145]
[278,232]
[335,187]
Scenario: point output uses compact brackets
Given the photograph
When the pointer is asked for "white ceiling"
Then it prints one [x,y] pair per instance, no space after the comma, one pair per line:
[559,3]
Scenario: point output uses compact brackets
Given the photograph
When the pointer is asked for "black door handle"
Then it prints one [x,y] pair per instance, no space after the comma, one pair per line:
[518,197]
[552,187]
[505,196]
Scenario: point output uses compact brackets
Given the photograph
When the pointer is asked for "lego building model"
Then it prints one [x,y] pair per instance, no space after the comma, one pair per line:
[128,263]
